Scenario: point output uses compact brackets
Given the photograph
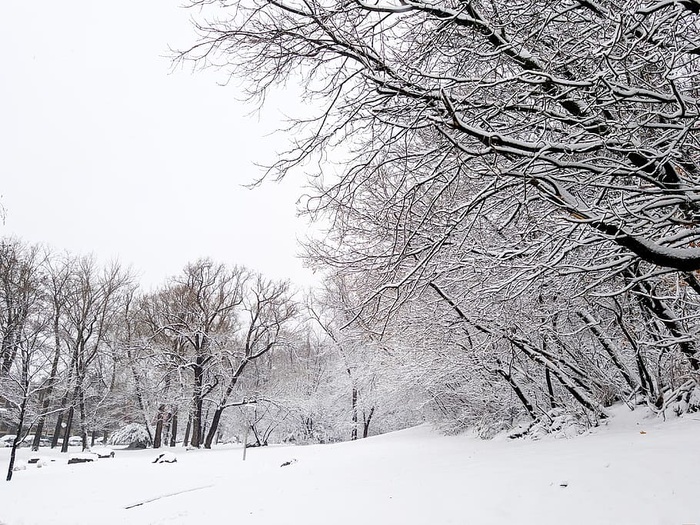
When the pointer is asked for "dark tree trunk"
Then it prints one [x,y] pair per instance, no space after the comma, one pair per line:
[644,376]
[66,433]
[198,370]
[645,381]
[83,419]
[18,437]
[57,430]
[162,420]
[214,426]
[157,437]
[166,430]
[13,453]
[366,421]
[39,430]
[258,442]
[188,429]
[173,431]
[518,391]
[353,434]
[550,388]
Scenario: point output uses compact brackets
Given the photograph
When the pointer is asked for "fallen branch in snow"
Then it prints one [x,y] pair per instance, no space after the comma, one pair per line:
[165,496]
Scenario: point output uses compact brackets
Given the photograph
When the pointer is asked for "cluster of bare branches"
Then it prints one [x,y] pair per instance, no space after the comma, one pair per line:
[487,149]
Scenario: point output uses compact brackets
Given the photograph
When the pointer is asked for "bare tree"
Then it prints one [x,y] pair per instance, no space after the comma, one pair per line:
[267,309]
[57,276]
[23,327]
[91,299]
[201,312]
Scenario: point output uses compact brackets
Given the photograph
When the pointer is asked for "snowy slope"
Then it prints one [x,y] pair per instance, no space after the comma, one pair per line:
[635,470]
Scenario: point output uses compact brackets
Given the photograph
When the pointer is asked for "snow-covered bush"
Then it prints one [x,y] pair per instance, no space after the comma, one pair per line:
[132,435]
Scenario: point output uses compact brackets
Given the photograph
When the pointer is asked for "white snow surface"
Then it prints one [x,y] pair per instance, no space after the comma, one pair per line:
[634,470]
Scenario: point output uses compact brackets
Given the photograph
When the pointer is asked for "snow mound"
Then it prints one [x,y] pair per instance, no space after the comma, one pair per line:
[166,457]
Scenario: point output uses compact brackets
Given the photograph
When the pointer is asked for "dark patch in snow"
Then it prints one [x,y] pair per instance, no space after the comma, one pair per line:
[82,458]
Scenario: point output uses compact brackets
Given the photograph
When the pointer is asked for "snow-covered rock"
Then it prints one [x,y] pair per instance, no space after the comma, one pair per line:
[102,452]
[166,457]
[84,457]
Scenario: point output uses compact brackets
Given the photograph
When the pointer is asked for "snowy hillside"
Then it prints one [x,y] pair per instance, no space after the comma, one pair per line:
[634,470]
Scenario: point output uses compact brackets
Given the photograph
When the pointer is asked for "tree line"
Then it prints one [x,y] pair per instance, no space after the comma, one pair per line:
[86,352]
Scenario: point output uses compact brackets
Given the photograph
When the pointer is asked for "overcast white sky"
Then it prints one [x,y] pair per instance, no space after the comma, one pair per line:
[103,150]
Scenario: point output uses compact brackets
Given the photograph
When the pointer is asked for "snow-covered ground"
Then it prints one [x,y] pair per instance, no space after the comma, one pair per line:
[635,470]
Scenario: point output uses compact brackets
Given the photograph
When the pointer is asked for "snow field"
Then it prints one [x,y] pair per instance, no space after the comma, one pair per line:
[615,475]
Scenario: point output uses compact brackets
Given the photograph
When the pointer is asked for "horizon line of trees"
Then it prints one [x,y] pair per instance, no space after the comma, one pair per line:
[214,351]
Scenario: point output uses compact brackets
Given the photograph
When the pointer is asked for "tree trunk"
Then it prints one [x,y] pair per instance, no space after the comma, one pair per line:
[645,380]
[188,429]
[83,419]
[366,421]
[157,437]
[57,430]
[166,430]
[173,431]
[198,370]
[518,391]
[39,429]
[66,433]
[18,437]
[353,434]
[214,426]
[550,388]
